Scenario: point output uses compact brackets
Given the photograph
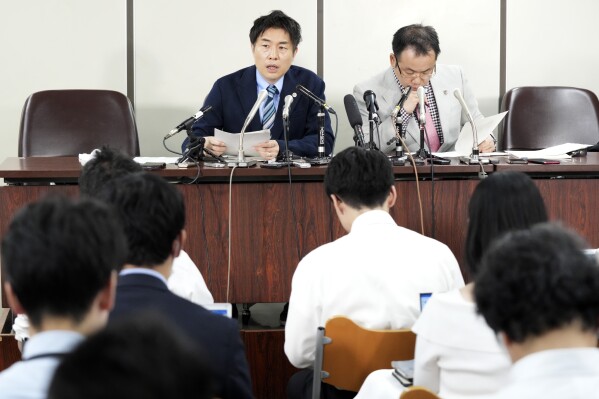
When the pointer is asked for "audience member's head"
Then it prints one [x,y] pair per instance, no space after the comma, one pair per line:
[502,202]
[422,39]
[360,178]
[60,259]
[537,282]
[153,215]
[138,357]
[108,164]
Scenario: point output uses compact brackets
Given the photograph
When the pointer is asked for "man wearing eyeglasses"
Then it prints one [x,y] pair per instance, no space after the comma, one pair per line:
[414,64]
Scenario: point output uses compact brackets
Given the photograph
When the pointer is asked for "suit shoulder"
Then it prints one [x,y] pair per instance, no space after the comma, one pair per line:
[236,76]
[374,81]
[303,75]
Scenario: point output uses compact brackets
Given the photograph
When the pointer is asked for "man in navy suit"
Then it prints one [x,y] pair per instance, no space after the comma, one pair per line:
[274,39]
[153,214]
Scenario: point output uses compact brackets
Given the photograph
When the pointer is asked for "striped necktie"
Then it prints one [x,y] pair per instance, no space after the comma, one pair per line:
[268,115]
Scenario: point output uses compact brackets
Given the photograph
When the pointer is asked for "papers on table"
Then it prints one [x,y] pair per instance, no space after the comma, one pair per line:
[484,128]
[556,152]
[250,139]
[168,160]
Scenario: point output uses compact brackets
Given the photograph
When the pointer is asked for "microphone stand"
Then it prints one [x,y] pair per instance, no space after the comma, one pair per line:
[286,155]
[422,152]
[321,159]
[372,116]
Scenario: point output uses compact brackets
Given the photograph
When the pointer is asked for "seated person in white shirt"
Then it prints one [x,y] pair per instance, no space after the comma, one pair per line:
[60,260]
[374,275]
[107,164]
[540,293]
[457,353]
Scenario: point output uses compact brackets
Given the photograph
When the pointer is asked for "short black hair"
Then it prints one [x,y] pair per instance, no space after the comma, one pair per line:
[138,357]
[107,164]
[537,280]
[418,37]
[152,212]
[502,202]
[359,177]
[59,253]
[277,19]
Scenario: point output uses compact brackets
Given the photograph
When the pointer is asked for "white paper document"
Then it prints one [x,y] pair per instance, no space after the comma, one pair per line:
[484,128]
[250,139]
[556,152]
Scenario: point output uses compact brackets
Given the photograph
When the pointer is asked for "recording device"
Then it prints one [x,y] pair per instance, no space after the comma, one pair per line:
[355,119]
[474,158]
[186,124]
[421,110]
[543,161]
[517,161]
[314,98]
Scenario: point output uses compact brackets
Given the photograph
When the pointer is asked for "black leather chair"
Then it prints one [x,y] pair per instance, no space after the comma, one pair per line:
[70,122]
[541,117]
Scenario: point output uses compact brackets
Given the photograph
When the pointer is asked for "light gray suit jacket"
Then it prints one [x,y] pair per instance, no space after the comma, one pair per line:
[446,79]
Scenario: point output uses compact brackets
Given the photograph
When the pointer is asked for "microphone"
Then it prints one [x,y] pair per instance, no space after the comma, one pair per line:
[261,97]
[187,122]
[421,111]
[402,100]
[317,100]
[474,157]
[355,119]
[287,105]
[370,100]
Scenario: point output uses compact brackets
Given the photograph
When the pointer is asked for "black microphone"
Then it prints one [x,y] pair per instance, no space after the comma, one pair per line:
[370,100]
[314,98]
[189,121]
[355,119]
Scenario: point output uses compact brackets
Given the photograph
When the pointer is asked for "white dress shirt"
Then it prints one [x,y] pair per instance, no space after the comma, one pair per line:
[374,275]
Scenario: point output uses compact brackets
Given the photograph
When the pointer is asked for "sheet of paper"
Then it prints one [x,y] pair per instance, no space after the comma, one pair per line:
[167,160]
[250,139]
[484,128]
[556,152]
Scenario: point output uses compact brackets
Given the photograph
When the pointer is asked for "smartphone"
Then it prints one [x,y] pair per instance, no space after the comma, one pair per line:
[153,165]
[272,165]
[441,161]
[543,161]
[424,297]
[517,161]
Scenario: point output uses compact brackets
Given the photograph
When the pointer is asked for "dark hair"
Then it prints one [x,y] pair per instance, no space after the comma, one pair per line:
[504,201]
[421,38]
[108,164]
[277,19]
[359,177]
[152,212]
[137,357]
[534,281]
[58,254]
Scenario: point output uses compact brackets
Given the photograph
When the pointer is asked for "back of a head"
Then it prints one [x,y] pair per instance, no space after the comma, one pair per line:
[278,20]
[152,212]
[359,177]
[106,165]
[538,280]
[59,253]
[138,357]
[421,38]
[502,202]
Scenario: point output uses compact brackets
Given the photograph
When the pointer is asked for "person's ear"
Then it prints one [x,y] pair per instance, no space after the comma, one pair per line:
[392,60]
[106,296]
[338,204]
[12,299]
[392,197]
[179,243]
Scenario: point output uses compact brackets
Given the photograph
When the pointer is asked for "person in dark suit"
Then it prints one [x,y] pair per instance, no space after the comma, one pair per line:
[274,39]
[153,213]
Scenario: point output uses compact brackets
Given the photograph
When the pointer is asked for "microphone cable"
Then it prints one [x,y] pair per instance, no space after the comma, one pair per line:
[229,235]
[409,154]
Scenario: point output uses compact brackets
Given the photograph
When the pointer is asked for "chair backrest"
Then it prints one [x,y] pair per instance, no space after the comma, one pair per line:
[355,352]
[418,393]
[71,122]
[541,117]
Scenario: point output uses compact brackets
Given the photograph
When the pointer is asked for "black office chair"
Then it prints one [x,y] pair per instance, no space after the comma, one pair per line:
[70,122]
[541,117]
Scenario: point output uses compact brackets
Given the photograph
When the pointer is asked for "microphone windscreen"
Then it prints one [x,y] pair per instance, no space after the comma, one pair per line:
[353,113]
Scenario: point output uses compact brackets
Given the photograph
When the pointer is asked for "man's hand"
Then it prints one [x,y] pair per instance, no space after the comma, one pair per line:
[411,102]
[214,145]
[487,146]
[268,150]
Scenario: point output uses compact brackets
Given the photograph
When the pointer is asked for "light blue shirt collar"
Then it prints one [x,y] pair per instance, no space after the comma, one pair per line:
[143,270]
[262,84]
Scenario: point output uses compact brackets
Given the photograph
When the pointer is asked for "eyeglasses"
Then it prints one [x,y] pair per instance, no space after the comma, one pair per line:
[429,73]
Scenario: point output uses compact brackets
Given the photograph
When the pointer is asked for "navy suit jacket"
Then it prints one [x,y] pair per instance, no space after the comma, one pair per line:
[233,96]
[217,336]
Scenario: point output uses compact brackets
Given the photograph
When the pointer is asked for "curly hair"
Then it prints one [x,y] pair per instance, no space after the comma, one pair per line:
[534,281]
